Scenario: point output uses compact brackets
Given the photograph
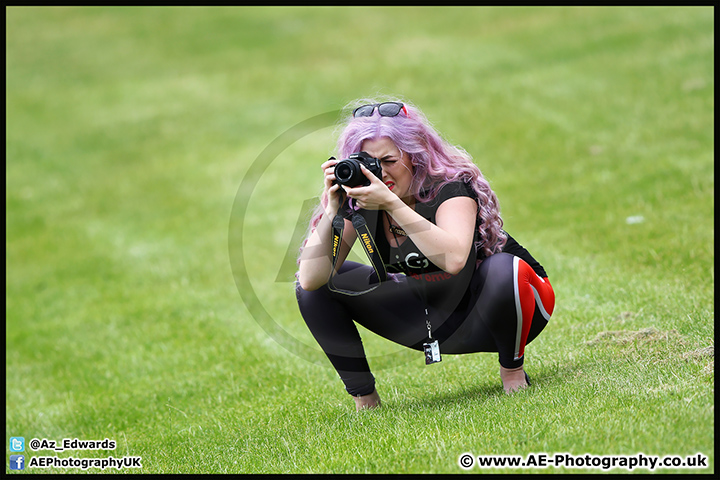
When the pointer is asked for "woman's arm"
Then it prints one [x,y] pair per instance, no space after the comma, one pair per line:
[316,258]
[446,244]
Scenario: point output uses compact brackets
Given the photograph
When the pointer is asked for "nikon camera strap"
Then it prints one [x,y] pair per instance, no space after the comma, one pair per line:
[366,240]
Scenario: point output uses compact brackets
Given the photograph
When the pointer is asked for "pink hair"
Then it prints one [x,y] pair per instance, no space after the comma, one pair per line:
[435,163]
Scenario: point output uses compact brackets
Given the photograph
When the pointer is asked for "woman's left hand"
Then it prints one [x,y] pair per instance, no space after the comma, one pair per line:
[376,196]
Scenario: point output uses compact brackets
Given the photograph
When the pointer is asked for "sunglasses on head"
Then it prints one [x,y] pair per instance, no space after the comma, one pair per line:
[386,109]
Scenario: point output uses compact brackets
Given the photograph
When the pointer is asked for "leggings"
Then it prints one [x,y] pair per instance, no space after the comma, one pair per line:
[506,306]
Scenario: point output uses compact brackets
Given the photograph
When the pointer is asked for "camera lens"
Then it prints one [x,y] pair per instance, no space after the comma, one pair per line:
[343,172]
[348,173]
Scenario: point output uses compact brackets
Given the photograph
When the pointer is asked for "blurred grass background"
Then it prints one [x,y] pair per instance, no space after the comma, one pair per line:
[130,131]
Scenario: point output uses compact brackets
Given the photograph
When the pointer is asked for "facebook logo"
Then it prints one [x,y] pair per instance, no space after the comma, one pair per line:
[17,462]
[17,444]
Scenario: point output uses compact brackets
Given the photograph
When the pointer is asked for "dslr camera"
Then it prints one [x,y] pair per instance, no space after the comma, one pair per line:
[348,173]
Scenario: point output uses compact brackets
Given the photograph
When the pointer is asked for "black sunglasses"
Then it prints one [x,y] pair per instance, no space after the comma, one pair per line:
[386,109]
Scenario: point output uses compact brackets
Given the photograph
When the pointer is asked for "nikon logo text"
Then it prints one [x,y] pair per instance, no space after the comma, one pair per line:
[336,241]
[367,242]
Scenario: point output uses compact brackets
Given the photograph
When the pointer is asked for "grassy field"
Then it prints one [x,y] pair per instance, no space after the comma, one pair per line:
[160,162]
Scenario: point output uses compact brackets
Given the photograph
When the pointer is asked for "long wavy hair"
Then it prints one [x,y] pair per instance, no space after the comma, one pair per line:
[435,162]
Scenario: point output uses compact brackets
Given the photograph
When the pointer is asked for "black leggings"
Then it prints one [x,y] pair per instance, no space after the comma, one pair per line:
[507,305]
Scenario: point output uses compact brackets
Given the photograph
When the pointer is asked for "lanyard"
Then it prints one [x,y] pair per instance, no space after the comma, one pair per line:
[422,291]
[431,347]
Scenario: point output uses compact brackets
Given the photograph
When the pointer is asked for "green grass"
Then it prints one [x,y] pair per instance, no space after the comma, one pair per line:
[130,132]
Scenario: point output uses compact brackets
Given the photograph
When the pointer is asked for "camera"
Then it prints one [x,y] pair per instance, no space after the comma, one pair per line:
[348,173]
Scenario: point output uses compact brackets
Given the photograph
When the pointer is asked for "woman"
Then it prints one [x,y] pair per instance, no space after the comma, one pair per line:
[449,276]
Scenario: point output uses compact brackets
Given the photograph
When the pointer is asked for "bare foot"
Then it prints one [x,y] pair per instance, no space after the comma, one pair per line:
[513,379]
[367,402]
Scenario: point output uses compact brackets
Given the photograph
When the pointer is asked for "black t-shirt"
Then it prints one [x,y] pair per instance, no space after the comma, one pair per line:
[408,259]
[439,288]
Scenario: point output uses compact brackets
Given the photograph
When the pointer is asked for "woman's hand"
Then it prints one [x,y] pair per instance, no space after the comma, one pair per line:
[376,196]
[334,191]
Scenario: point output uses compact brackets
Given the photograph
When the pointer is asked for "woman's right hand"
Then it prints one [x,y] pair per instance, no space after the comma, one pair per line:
[316,258]
[331,188]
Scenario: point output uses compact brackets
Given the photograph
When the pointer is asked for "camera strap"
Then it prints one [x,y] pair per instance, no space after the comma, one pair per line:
[366,240]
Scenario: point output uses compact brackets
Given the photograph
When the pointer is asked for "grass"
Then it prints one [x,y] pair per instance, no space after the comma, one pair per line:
[132,133]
